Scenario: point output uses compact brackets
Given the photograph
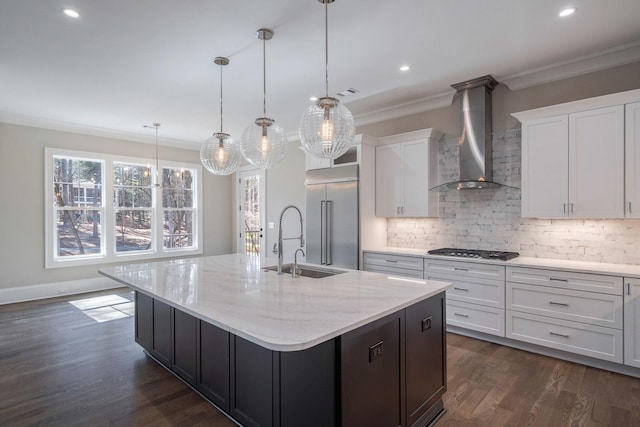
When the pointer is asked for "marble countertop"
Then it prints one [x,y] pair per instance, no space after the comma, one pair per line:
[280,313]
[625,270]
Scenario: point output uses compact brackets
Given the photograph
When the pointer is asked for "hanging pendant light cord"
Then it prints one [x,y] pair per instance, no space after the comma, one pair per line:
[326,47]
[264,77]
[220,98]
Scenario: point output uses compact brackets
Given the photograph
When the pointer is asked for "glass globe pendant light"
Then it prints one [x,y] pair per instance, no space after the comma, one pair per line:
[219,154]
[326,128]
[263,142]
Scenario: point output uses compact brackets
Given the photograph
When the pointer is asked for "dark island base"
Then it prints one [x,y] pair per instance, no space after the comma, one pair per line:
[390,372]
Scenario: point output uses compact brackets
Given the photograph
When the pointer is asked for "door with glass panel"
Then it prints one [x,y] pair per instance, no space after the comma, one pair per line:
[251,195]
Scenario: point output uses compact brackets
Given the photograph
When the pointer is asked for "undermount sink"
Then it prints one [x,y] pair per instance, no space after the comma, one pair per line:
[306,271]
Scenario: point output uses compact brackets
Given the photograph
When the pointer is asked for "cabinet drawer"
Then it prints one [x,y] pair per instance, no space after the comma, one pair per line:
[396,261]
[567,304]
[465,269]
[574,337]
[476,317]
[566,280]
[417,274]
[475,291]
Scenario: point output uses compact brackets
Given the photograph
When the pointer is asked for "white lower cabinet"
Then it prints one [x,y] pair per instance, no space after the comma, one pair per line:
[476,299]
[576,312]
[632,322]
[476,317]
[574,337]
[398,265]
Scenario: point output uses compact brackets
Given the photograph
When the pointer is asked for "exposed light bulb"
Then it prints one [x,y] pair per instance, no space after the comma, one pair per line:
[326,134]
[221,155]
[264,145]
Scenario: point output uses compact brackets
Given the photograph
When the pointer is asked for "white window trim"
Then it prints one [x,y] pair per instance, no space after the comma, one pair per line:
[108,222]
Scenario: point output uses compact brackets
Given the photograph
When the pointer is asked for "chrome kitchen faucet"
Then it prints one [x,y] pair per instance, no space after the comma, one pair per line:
[279,248]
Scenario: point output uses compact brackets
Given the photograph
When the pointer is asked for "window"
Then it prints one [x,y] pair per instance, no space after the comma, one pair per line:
[102,208]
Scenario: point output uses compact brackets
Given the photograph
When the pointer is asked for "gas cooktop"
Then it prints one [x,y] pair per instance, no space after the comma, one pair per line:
[474,253]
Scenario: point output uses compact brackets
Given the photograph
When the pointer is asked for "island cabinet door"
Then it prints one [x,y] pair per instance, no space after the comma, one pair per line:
[252,383]
[370,373]
[144,320]
[162,336]
[213,377]
[185,333]
[425,359]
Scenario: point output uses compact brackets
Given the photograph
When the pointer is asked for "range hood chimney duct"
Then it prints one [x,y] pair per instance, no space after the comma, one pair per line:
[476,169]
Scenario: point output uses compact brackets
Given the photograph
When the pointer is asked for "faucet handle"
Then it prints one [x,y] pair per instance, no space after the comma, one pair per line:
[275,248]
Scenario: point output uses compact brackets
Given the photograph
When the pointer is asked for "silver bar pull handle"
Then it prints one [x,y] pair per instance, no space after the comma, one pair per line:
[329,232]
[461,315]
[558,279]
[564,208]
[628,288]
[402,210]
[629,206]
[392,260]
[461,289]
[322,233]
[558,335]
[563,304]
[460,269]
[571,208]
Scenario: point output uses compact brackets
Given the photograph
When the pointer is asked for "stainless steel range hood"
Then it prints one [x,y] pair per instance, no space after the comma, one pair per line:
[476,169]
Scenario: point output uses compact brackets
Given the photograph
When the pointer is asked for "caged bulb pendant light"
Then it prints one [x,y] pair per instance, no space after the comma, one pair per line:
[326,128]
[219,154]
[263,142]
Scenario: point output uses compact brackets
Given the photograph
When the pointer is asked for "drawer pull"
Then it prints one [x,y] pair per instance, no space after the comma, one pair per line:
[392,260]
[564,304]
[558,335]
[461,315]
[628,288]
[460,269]
[557,279]
[461,289]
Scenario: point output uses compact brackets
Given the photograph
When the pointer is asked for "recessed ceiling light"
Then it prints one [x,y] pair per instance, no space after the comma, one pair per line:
[71,13]
[566,12]
[405,68]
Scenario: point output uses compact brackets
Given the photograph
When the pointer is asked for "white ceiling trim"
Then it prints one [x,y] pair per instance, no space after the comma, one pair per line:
[621,55]
[24,120]
[405,109]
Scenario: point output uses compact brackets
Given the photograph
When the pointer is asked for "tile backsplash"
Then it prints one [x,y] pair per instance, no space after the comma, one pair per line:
[490,218]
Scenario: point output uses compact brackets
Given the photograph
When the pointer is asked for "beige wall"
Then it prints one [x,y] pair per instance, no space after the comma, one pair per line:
[505,102]
[22,200]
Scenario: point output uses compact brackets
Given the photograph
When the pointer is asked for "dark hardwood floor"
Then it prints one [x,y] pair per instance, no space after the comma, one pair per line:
[59,367]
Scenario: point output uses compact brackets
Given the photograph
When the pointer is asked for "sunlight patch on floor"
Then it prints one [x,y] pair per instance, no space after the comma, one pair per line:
[105,308]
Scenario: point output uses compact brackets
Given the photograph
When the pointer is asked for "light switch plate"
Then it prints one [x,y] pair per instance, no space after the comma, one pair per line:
[272,225]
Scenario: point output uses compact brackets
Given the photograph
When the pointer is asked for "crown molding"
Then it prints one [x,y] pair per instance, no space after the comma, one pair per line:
[49,124]
[421,105]
[621,55]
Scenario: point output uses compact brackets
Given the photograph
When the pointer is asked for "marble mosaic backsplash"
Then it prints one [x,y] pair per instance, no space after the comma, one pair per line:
[490,218]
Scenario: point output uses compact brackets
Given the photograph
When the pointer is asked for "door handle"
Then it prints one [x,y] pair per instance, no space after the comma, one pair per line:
[629,206]
[329,231]
[322,233]
[628,288]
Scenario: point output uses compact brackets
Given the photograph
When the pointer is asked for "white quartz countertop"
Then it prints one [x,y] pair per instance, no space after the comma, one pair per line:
[624,270]
[278,312]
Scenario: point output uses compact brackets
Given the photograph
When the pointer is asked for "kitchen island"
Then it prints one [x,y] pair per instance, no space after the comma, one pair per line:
[356,348]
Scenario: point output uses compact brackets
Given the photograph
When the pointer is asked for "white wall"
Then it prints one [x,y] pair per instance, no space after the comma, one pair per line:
[22,201]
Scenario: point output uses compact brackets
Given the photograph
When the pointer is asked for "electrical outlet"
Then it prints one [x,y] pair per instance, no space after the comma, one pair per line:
[426,323]
[375,351]
[272,225]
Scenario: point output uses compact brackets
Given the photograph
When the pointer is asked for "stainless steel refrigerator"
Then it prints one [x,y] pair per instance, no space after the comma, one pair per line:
[332,216]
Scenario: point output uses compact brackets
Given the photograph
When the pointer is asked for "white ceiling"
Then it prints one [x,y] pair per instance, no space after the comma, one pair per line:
[124,64]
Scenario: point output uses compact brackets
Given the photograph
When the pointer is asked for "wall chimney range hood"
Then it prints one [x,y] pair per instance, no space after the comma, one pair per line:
[476,169]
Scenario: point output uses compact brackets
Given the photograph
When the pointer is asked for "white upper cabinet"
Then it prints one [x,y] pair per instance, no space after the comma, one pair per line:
[596,163]
[632,160]
[406,167]
[573,158]
[545,167]
[351,157]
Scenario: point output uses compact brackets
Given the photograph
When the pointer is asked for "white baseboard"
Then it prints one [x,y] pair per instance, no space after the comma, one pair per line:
[49,290]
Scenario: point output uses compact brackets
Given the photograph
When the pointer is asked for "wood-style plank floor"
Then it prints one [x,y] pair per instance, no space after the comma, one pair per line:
[58,367]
